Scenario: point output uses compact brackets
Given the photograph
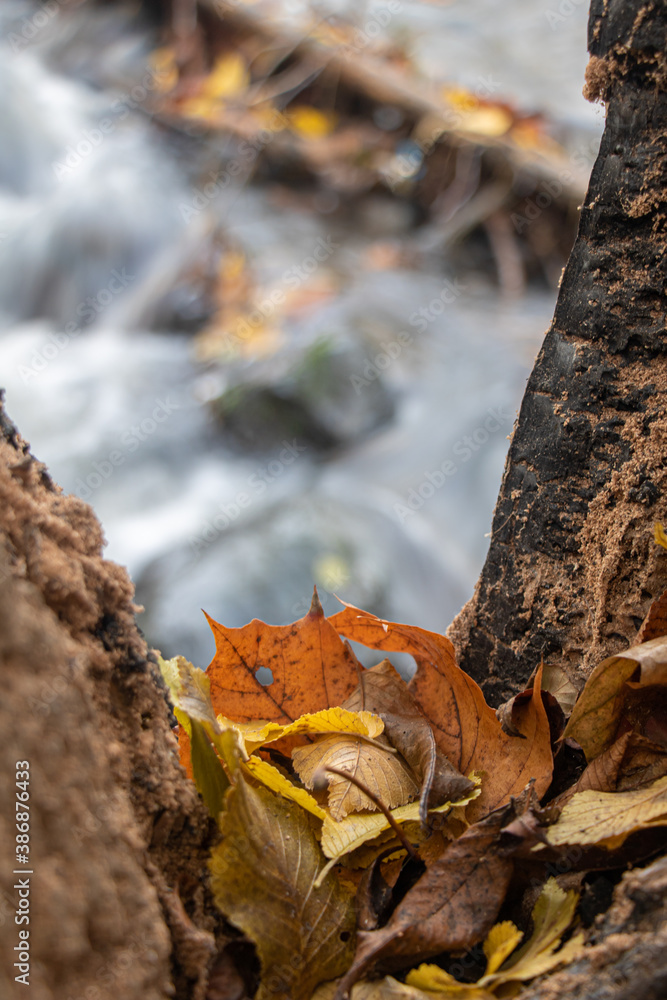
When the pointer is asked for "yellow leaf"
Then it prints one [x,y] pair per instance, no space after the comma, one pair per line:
[272,778]
[660,535]
[170,675]
[475,116]
[262,875]
[165,69]
[379,768]
[311,123]
[552,915]
[228,78]
[199,107]
[340,838]
[207,770]
[460,98]
[232,267]
[436,981]
[488,121]
[190,689]
[328,720]
[500,943]
[190,693]
[607,818]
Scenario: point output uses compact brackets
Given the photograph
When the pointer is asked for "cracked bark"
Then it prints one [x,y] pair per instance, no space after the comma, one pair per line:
[572,566]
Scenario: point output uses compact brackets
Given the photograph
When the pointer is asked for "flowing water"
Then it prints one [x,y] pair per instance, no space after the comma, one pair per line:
[412,379]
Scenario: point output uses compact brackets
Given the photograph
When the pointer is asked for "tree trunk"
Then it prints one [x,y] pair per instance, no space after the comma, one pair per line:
[572,566]
[116,829]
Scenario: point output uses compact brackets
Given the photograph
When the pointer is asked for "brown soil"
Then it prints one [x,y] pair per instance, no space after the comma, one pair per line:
[117,831]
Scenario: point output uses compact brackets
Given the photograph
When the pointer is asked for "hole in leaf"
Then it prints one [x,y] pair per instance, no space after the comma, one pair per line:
[404,663]
[264,675]
[344,936]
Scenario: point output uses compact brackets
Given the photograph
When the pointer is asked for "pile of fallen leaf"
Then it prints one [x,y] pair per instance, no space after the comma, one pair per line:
[369,826]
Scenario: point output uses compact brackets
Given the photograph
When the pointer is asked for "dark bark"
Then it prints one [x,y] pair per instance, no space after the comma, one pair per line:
[572,565]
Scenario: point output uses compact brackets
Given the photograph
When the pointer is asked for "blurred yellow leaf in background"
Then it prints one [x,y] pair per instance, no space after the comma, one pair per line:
[311,123]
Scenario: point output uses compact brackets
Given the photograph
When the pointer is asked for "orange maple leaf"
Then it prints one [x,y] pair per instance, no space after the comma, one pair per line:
[465,727]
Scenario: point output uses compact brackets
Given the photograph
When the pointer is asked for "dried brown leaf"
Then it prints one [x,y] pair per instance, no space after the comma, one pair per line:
[383,692]
[556,681]
[385,773]
[466,729]
[453,905]
[595,721]
[631,762]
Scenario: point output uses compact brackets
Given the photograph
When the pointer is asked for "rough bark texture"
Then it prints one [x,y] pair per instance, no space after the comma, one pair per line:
[116,829]
[627,957]
[572,566]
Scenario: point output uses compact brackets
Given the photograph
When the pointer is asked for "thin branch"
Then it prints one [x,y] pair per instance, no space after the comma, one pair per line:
[396,827]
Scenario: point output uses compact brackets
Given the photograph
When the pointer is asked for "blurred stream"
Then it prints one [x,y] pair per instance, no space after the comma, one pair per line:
[98,286]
